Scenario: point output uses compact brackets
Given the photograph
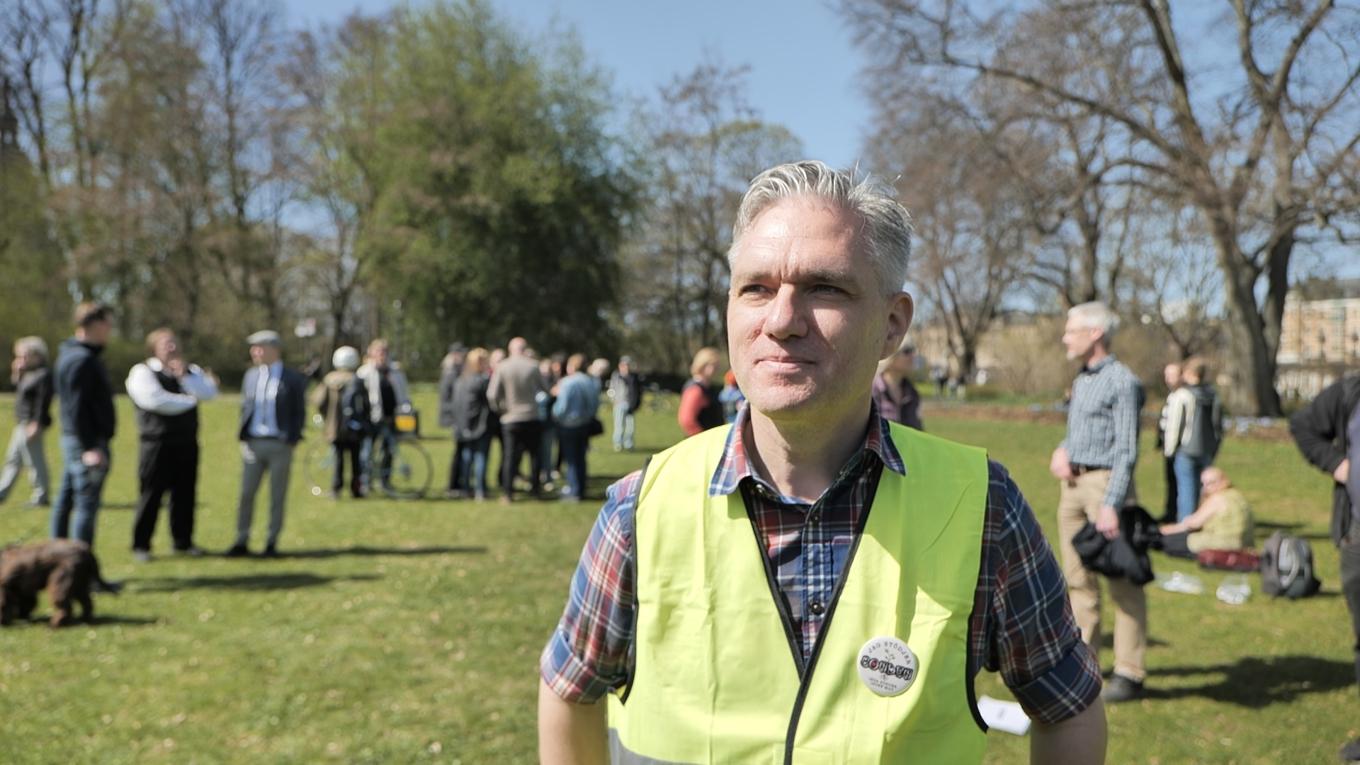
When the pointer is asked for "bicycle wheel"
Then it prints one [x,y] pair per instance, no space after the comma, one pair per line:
[412,470]
[318,466]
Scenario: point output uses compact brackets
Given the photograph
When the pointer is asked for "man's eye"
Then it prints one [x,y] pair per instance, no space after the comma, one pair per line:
[826,289]
[752,289]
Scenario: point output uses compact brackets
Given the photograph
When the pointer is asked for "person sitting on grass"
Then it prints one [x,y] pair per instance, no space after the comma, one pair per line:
[1222,522]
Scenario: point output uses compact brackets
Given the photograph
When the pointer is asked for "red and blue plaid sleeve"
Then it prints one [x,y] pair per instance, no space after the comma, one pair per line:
[590,651]
[1028,633]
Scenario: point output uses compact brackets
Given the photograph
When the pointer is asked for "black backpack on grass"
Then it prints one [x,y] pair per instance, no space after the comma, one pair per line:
[1287,567]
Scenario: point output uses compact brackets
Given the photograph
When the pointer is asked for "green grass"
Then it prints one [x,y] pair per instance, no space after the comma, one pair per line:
[409,631]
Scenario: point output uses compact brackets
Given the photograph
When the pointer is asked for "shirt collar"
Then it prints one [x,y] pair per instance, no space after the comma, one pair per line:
[1099,365]
[154,364]
[735,465]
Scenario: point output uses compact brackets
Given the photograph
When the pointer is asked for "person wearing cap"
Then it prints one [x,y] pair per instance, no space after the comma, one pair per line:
[273,410]
[626,392]
[165,391]
[342,401]
[88,423]
[894,392]
[813,583]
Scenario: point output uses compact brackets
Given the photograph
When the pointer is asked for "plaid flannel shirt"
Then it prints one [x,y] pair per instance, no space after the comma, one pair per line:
[1021,624]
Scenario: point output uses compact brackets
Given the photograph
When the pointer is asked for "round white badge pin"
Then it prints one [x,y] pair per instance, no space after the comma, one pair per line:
[887,666]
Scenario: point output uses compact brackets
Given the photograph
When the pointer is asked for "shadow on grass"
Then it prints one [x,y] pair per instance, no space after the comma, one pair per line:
[1289,528]
[250,582]
[1256,683]
[362,550]
[99,620]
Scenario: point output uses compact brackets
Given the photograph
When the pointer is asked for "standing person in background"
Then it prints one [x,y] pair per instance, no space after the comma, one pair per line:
[388,394]
[731,397]
[578,401]
[1171,375]
[450,369]
[165,390]
[32,417]
[1327,431]
[1194,431]
[342,400]
[552,370]
[893,390]
[700,408]
[625,390]
[513,392]
[472,421]
[1095,465]
[87,422]
[493,362]
[273,410]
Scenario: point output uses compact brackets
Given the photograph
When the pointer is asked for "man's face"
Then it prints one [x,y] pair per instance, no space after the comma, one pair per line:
[167,347]
[98,332]
[1079,339]
[903,362]
[263,354]
[1171,375]
[378,354]
[807,320]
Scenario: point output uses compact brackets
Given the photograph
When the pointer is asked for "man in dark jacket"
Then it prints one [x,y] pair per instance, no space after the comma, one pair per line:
[273,408]
[87,422]
[1328,433]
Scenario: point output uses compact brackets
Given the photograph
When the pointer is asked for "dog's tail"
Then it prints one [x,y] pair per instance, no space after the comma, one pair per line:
[100,584]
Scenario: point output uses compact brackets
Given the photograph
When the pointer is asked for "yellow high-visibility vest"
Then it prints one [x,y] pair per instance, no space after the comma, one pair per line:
[717,677]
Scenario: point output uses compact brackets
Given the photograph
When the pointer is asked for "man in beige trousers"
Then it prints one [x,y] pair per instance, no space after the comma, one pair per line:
[1095,465]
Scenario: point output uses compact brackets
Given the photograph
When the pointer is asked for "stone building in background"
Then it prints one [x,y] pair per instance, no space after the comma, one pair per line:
[1319,337]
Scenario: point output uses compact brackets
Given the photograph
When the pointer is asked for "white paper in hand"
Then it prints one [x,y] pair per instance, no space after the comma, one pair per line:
[1003,715]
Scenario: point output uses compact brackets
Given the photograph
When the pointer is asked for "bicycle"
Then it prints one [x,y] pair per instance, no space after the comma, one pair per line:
[412,468]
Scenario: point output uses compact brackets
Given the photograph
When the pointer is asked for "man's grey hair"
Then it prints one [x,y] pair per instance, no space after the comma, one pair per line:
[885,230]
[1096,315]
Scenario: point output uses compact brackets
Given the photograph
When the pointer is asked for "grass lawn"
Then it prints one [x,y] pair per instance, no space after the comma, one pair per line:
[394,632]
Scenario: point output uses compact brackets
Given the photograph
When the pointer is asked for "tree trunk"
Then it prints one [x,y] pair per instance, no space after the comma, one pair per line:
[1256,356]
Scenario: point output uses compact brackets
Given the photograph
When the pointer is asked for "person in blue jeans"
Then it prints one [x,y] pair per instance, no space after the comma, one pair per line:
[1194,430]
[626,391]
[578,400]
[87,423]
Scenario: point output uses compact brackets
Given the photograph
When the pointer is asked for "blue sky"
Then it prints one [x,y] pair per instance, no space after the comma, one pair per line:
[802,62]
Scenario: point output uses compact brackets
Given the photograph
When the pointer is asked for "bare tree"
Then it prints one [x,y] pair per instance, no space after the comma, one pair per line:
[970,220]
[336,80]
[705,143]
[1263,152]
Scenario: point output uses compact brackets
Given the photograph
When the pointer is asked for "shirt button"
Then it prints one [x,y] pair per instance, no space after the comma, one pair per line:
[816,607]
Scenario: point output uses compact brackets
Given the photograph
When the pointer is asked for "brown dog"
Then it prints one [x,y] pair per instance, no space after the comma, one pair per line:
[66,567]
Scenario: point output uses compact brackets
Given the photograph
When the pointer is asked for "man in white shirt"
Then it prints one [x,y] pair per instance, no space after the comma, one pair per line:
[165,391]
[273,409]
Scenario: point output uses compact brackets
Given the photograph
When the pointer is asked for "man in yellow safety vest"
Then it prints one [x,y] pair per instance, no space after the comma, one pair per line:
[812,583]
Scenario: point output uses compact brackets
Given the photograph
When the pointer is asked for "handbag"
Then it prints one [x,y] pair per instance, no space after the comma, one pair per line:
[594,427]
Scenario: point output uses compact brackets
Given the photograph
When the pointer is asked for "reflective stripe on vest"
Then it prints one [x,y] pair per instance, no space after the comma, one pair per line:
[716,676]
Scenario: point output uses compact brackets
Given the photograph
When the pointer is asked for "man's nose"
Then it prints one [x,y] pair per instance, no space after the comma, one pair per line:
[785,317]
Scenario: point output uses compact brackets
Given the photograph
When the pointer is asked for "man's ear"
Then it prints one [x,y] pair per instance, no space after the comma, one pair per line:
[901,309]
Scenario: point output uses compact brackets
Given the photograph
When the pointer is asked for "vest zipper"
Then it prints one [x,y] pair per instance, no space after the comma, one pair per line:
[805,670]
